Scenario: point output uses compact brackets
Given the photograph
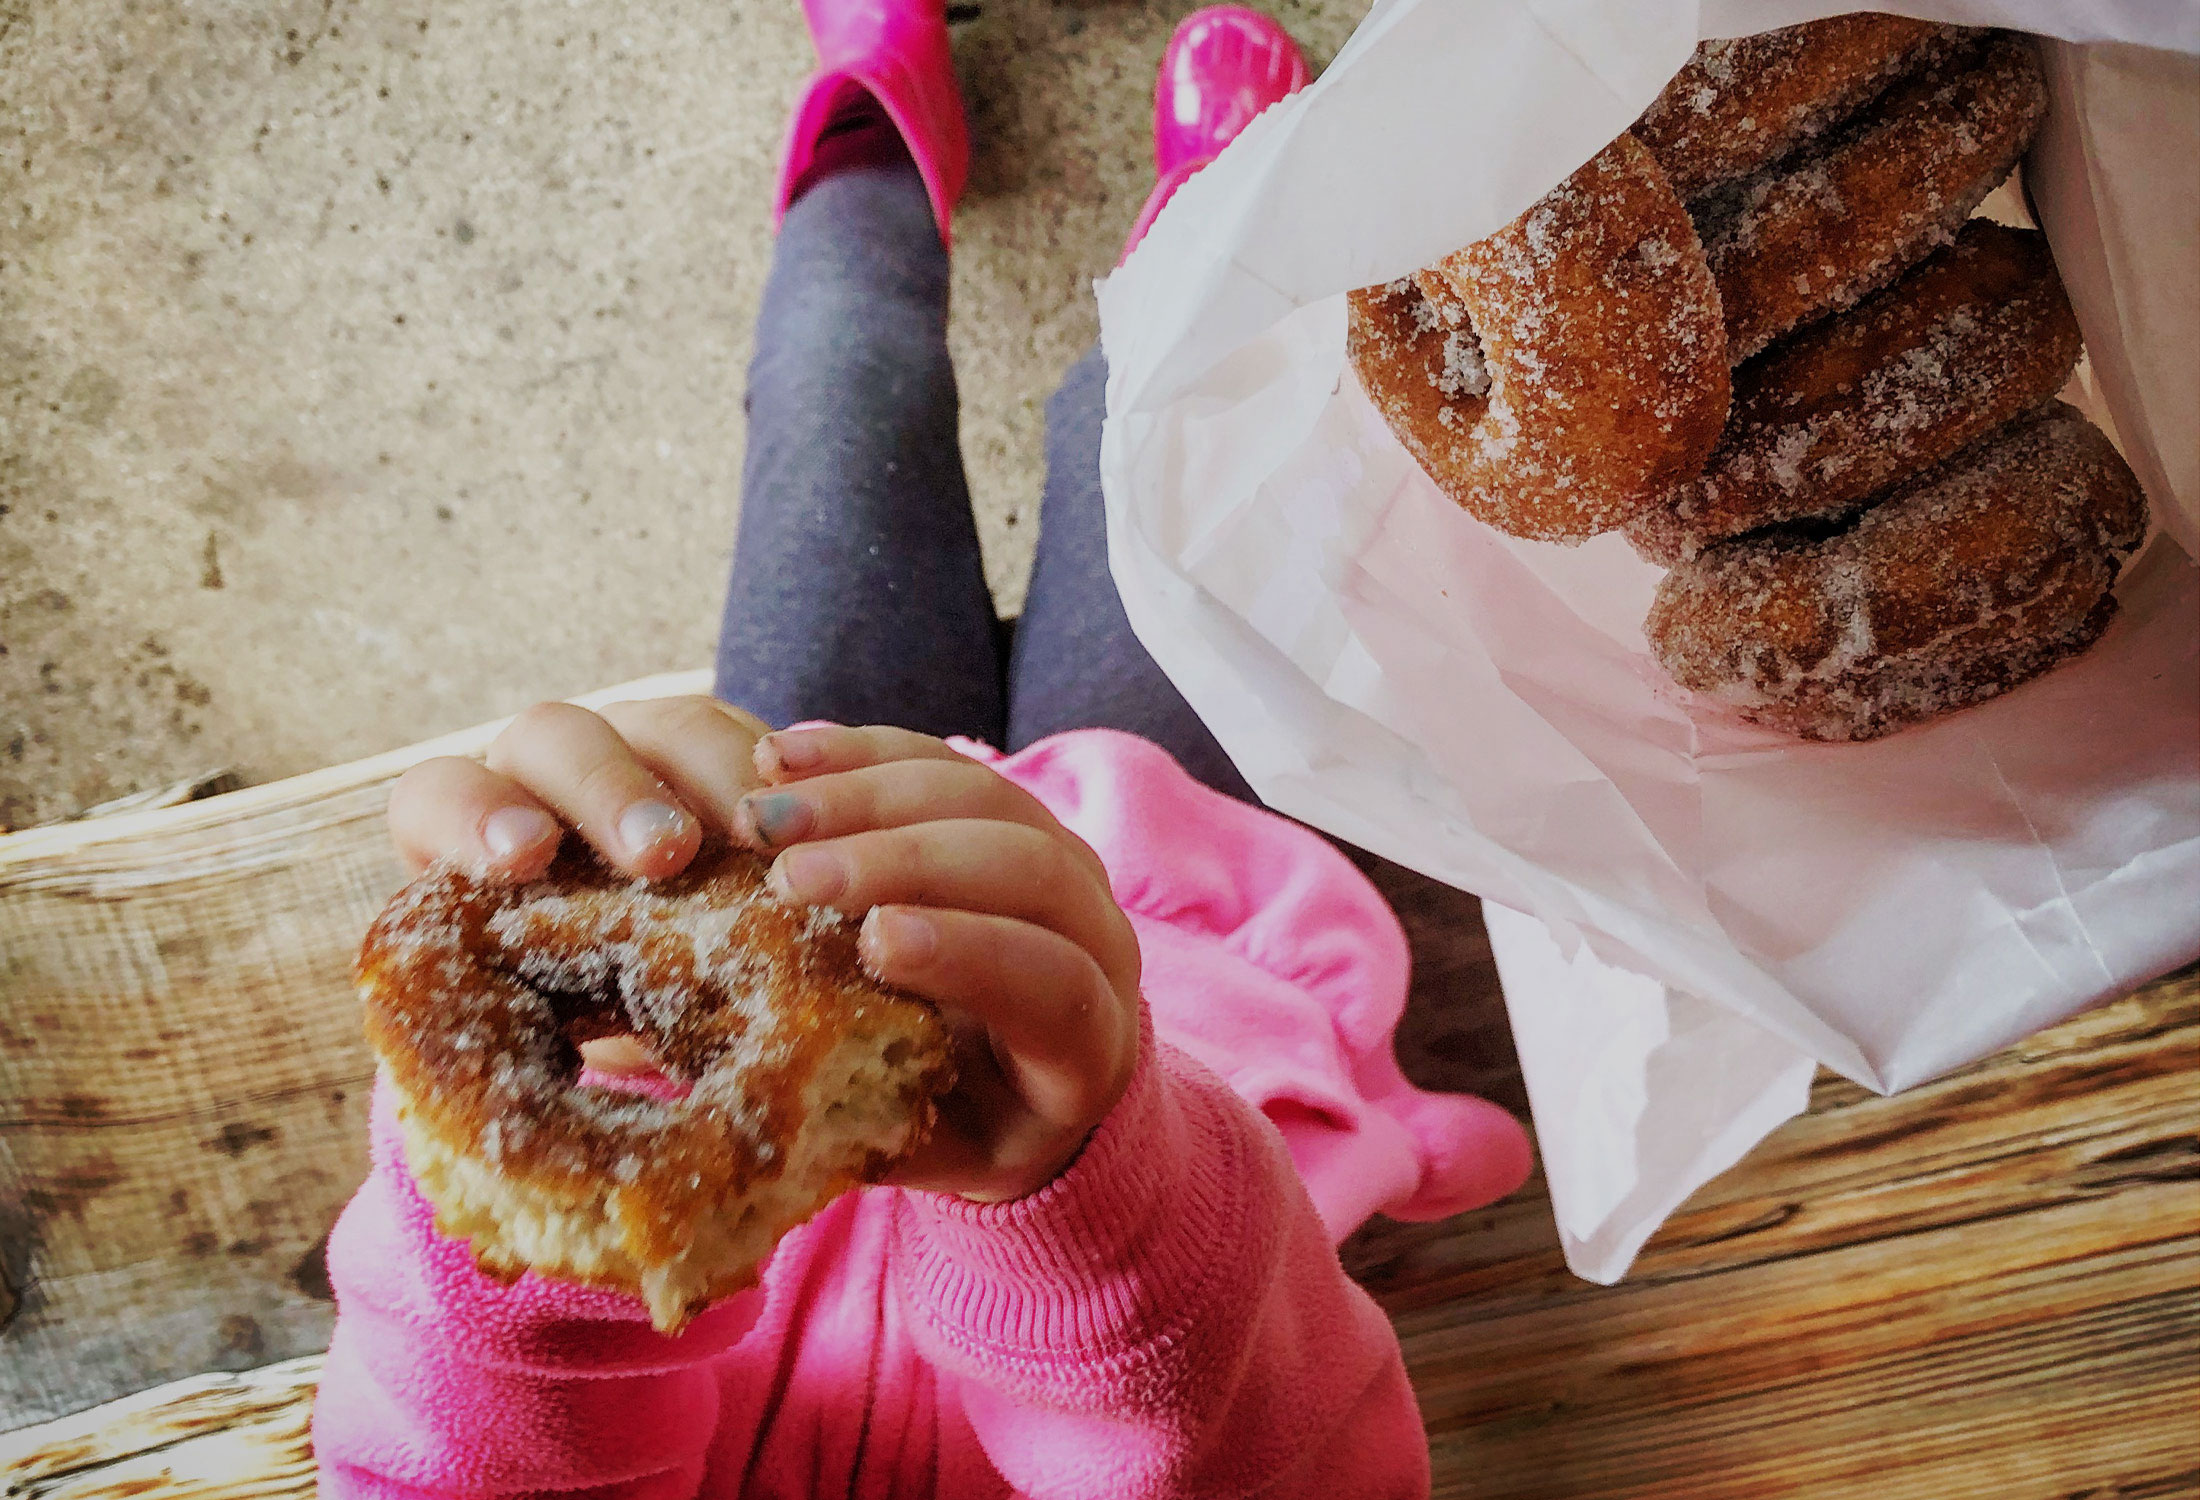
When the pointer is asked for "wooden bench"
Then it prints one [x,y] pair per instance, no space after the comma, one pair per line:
[1987,1287]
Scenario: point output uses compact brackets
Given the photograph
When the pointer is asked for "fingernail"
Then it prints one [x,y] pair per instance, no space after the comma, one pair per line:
[899,938]
[813,876]
[793,749]
[646,824]
[775,817]
[510,830]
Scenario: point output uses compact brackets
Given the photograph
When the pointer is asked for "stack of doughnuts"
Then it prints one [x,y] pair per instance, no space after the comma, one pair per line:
[789,1075]
[1799,214]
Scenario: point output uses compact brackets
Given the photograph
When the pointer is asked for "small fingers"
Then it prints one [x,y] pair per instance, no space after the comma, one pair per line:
[578,764]
[852,780]
[1065,1039]
[703,749]
[453,808]
[1001,869]
[893,795]
[793,754]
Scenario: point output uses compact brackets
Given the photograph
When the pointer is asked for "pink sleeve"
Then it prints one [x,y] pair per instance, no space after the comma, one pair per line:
[1168,1317]
[441,1381]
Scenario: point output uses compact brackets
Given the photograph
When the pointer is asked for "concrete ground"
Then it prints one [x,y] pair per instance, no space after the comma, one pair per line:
[370,370]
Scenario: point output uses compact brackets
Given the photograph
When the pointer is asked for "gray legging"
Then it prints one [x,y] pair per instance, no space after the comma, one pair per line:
[857,594]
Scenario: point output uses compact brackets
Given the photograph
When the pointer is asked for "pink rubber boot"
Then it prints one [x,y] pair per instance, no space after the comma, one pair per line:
[878,56]
[1224,65]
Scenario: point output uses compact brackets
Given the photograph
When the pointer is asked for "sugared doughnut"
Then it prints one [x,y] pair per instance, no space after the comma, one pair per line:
[1968,580]
[1743,103]
[1570,368]
[802,1077]
[1827,226]
[1978,333]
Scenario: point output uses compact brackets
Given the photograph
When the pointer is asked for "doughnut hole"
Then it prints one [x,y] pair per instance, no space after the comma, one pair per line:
[784,1075]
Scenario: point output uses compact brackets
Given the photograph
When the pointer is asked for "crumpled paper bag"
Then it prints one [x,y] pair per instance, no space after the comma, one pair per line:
[1689,913]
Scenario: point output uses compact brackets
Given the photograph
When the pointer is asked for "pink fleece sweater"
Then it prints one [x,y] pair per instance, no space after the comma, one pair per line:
[1166,1318]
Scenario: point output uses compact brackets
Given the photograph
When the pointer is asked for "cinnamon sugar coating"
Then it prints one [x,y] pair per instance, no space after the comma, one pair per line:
[1742,103]
[1976,334]
[1825,227]
[803,1076]
[1970,579]
[1558,376]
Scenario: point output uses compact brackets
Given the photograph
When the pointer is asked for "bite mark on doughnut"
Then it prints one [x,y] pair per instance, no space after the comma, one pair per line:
[791,1075]
[1557,377]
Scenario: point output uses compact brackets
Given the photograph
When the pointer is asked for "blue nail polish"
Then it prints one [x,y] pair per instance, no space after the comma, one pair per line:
[779,816]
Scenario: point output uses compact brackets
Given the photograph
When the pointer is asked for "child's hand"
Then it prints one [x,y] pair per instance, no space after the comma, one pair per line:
[980,901]
[631,779]
[987,905]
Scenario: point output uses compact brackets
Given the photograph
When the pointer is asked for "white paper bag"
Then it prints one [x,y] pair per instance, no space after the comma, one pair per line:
[1711,908]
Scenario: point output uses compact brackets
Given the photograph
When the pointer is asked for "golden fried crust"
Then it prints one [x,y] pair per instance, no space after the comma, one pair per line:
[1741,104]
[1569,369]
[1823,229]
[1976,576]
[477,994]
[1978,333]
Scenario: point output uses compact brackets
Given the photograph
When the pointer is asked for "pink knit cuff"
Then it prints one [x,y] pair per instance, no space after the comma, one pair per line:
[395,1273]
[1118,1251]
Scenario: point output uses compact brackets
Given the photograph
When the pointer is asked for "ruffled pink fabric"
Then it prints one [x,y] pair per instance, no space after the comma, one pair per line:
[1166,1318]
[1272,960]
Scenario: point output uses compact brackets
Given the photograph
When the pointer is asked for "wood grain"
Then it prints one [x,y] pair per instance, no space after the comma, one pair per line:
[1985,1289]
[1988,1286]
[183,1084]
[217,1437]
[1988,1289]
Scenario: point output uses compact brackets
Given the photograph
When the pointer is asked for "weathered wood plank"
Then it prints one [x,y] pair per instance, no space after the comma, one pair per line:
[1985,1289]
[1996,1301]
[217,1437]
[183,1083]
[2104,1409]
[1989,1287]
[2042,1121]
[1777,1324]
